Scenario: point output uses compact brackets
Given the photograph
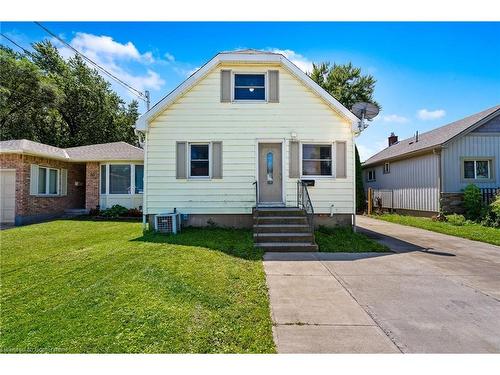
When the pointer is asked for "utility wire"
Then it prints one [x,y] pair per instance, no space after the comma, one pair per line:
[124,84]
[17,45]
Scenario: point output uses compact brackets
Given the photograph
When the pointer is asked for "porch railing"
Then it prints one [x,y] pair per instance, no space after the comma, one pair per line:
[256,194]
[304,202]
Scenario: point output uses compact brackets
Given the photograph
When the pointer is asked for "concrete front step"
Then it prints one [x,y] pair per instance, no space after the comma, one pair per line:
[288,247]
[280,220]
[283,237]
[279,211]
[281,228]
[74,212]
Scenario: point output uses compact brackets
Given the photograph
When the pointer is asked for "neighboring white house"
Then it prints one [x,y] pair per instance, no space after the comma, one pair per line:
[428,172]
[248,120]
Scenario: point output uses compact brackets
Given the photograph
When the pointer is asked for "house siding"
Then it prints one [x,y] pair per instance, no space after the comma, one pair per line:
[475,144]
[200,116]
[414,182]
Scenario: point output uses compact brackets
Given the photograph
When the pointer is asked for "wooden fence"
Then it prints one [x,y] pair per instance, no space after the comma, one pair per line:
[489,194]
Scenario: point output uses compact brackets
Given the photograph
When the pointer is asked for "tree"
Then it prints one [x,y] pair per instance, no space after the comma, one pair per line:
[346,84]
[60,102]
[27,97]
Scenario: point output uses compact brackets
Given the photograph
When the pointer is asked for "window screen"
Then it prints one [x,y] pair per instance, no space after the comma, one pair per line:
[199,160]
[316,160]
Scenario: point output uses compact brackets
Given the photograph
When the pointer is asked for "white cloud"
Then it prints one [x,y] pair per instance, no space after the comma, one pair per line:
[395,119]
[115,57]
[425,114]
[169,57]
[302,62]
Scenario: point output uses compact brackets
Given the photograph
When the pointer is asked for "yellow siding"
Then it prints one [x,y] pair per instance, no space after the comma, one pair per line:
[199,116]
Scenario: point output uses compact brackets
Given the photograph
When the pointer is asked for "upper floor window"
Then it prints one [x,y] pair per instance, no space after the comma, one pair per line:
[370,175]
[477,169]
[316,160]
[249,87]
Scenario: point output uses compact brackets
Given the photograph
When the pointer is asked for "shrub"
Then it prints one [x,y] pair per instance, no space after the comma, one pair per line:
[133,212]
[492,215]
[473,202]
[114,211]
[455,219]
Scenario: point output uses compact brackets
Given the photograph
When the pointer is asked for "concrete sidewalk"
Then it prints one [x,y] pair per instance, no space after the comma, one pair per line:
[313,313]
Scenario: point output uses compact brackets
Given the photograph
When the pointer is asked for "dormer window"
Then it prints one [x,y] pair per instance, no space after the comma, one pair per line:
[249,87]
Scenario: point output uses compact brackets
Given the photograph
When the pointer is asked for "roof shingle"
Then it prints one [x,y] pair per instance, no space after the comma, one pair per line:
[98,152]
[429,139]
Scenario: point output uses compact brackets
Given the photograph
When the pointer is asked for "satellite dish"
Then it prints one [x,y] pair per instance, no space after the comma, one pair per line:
[364,111]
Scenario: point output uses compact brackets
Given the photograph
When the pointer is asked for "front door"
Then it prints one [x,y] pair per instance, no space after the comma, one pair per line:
[270,173]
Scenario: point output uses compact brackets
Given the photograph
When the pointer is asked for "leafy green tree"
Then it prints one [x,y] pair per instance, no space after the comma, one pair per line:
[27,99]
[61,102]
[348,85]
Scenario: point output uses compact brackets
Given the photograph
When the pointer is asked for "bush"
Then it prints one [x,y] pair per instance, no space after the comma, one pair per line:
[492,215]
[455,219]
[134,212]
[114,211]
[473,202]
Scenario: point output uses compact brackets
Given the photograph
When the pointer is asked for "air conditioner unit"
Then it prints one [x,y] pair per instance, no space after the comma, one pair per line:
[168,223]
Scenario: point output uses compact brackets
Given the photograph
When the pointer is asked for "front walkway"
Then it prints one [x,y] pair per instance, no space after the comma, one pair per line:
[312,312]
[436,294]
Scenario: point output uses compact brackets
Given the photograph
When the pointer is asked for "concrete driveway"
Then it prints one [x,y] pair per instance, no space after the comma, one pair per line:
[438,294]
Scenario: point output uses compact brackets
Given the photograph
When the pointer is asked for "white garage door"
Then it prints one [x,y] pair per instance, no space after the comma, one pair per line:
[7,195]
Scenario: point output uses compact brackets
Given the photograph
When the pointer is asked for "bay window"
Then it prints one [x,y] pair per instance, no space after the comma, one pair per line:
[122,178]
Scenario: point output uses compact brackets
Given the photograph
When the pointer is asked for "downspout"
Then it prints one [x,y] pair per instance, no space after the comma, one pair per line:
[145,184]
[353,154]
[440,177]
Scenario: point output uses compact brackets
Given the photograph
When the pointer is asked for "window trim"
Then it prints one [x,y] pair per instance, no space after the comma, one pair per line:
[209,144]
[388,169]
[132,178]
[301,149]
[475,159]
[233,87]
[374,175]
[47,182]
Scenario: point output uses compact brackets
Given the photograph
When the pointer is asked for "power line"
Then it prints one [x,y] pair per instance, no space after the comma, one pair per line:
[111,75]
[17,45]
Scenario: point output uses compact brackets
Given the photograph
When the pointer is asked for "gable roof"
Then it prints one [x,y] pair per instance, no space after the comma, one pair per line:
[98,152]
[245,56]
[433,138]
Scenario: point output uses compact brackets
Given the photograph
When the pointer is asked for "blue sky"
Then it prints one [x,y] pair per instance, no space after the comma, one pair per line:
[428,74]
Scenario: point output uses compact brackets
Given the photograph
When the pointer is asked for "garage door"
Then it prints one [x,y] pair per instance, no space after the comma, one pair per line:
[7,196]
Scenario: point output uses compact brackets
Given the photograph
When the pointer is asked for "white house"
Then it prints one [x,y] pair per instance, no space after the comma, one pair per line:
[239,133]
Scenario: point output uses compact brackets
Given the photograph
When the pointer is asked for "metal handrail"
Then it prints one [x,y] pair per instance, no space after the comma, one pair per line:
[304,202]
[256,194]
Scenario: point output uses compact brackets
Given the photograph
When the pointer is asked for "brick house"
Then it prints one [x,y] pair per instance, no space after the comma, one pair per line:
[39,182]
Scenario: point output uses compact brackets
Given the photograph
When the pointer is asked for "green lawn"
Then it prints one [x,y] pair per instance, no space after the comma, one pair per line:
[102,287]
[471,231]
[333,240]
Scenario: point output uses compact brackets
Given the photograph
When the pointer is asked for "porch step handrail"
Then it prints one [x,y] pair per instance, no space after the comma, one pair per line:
[304,202]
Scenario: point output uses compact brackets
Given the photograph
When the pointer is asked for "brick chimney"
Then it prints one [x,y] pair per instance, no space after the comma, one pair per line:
[392,139]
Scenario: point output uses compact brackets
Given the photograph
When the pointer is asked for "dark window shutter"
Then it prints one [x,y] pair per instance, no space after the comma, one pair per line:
[225,86]
[216,159]
[294,168]
[181,160]
[341,160]
[274,86]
